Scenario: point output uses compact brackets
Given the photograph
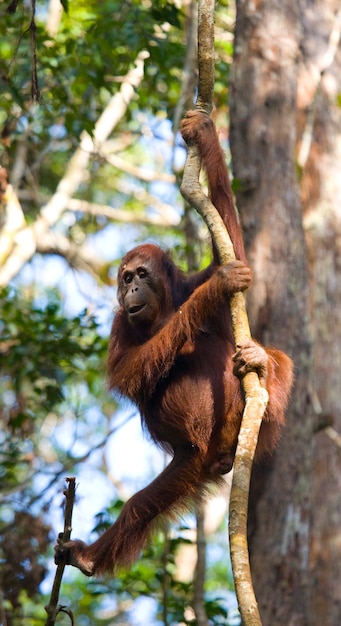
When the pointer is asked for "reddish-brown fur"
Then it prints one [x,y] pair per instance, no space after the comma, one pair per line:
[177,368]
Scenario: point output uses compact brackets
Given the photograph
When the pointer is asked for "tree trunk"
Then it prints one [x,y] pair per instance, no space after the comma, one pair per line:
[320,86]
[323,225]
[263,139]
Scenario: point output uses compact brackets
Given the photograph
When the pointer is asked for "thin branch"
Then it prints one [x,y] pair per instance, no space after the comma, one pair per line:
[52,609]
[168,216]
[68,465]
[80,257]
[35,93]
[134,170]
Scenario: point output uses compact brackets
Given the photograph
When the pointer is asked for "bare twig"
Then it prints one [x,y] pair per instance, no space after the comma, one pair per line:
[166,214]
[138,172]
[52,609]
[35,94]
[255,396]
[80,257]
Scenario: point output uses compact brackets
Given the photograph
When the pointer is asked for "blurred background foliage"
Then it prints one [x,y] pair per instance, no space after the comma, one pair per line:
[59,70]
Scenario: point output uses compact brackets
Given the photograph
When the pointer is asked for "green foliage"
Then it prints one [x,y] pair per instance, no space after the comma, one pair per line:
[46,358]
[52,367]
[80,67]
[44,355]
[153,576]
[44,351]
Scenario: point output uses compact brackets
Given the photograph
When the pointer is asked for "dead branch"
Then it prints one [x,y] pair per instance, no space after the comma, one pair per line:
[52,609]
[167,214]
[79,257]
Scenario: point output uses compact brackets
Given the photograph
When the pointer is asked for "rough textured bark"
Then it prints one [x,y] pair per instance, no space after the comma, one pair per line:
[263,138]
[321,192]
[323,238]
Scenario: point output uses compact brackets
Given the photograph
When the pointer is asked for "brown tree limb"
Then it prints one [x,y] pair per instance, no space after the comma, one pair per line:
[52,609]
[35,93]
[255,396]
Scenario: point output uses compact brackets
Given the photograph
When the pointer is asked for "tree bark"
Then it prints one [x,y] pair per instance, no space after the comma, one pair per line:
[319,113]
[263,139]
[323,237]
